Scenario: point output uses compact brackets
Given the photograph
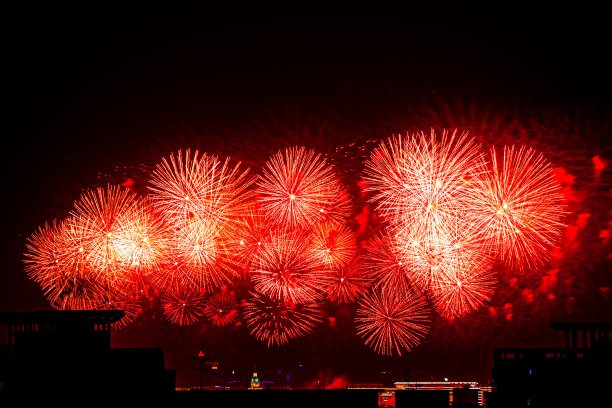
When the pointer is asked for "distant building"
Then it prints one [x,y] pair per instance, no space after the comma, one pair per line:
[54,350]
[575,375]
[464,393]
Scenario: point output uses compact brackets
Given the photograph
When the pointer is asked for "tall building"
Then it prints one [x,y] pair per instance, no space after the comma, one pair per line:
[574,375]
[59,351]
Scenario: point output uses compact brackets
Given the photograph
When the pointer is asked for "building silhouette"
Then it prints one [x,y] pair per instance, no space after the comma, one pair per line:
[576,375]
[70,351]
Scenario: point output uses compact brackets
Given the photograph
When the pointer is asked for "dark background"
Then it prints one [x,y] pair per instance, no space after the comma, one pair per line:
[96,94]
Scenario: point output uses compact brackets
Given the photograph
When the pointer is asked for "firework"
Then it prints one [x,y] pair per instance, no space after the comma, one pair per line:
[520,206]
[422,180]
[276,322]
[333,244]
[385,266]
[221,308]
[98,217]
[196,258]
[298,188]
[462,290]
[184,308]
[56,262]
[252,231]
[388,321]
[190,188]
[348,282]
[286,269]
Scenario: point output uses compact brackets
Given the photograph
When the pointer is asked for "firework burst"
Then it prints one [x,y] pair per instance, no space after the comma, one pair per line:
[98,217]
[276,322]
[221,308]
[391,322]
[286,269]
[298,188]
[333,244]
[521,208]
[184,308]
[188,188]
[348,282]
[421,180]
[462,290]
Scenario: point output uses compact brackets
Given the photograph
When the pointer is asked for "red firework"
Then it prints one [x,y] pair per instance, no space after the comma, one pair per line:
[423,180]
[462,290]
[99,216]
[521,208]
[385,266]
[285,268]
[333,244]
[252,231]
[391,321]
[298,188]
[184,308]
[348,282]
[221,308]
[276,322]
[190,188]
[197,257]
[56,262]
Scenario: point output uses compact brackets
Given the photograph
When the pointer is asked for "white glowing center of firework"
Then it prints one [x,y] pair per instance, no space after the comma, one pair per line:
[399,263]
[459,283]
[145,239]
[56,261]
[109,235]
[292,197]
[80,249]
[242,242]
[341,279]
[187,198]
[259,243]
[176,263]
[196,247]
[322,210]
[183,304]
[328,250]
[438,183]
[220,310]
[457,245]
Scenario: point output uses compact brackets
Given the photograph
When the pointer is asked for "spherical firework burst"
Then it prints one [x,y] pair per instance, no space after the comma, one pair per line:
[196,258]
[221,308]
[385,266]
[389,321]
[462,290]
[521,208]
[276,322]
[285,268]
[184,308]
[298,188]
[424,181]
[253,229]
[55,260]
[429,257]
[333,244]
[98,217]
[348,282]
[188,188]
[141,241]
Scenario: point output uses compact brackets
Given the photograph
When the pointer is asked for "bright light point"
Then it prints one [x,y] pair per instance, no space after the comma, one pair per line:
[187,198]
[341,279]
[242,242]
[438,183]
[458,283]
[322,210]
[292,197]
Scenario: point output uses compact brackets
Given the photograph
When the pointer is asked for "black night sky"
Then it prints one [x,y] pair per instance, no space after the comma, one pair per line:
[96,95]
